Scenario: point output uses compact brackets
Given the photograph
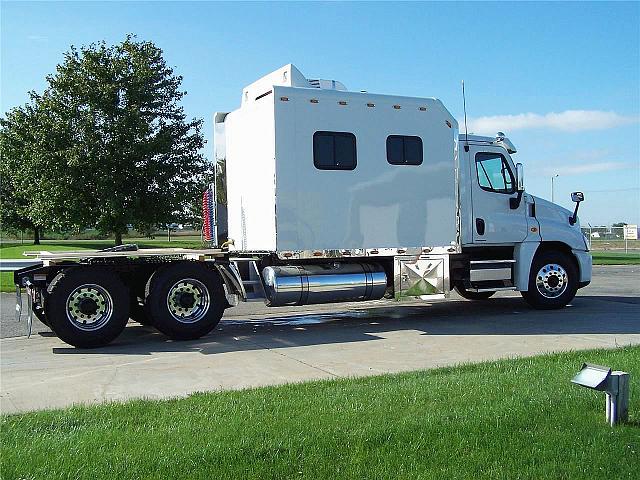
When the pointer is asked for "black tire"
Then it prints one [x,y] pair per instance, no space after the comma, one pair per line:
[88,306]
[464,293]
[38,311]
[553,281]
[138,313]
[185,300]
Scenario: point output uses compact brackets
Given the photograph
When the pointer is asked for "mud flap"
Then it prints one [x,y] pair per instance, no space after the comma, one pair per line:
[18,303]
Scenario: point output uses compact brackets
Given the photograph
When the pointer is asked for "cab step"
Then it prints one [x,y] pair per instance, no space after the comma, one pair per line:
[490,270]
[251,279]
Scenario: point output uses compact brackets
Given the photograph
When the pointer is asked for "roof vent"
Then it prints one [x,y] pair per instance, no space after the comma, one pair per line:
[327,84]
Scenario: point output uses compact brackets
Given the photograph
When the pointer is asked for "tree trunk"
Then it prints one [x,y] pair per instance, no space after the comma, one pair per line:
[118,238]
[36,235]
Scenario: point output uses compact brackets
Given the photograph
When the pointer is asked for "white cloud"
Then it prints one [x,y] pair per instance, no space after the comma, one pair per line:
[568,121]
[592,154]
[587,168]
[37,38]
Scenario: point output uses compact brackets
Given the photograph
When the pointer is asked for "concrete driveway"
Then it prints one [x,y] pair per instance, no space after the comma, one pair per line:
[254,345]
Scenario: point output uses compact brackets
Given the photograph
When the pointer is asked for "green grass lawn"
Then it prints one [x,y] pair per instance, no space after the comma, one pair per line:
[615,258]
[508,419]
[6,282]
[15,250]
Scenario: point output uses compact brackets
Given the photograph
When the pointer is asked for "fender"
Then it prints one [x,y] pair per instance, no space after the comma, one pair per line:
[232,283]
[523,254]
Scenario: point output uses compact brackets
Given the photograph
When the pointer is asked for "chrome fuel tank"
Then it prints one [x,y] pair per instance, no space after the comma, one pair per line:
[311,284]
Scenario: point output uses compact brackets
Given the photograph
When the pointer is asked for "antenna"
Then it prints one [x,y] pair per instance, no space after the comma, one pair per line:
[464,106]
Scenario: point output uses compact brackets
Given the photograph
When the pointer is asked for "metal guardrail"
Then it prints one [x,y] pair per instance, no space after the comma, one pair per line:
[11,264]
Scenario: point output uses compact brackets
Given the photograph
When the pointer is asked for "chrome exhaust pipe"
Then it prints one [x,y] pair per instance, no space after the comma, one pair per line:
[312,284]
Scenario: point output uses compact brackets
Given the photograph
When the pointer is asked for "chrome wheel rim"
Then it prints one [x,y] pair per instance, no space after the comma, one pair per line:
[188,300]
[551,280]
[89,307]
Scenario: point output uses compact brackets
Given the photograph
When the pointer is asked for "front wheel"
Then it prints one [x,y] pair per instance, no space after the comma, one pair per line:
[185,300]
[553,281]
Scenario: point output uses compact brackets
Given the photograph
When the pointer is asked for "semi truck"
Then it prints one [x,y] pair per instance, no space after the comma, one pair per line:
[332,196]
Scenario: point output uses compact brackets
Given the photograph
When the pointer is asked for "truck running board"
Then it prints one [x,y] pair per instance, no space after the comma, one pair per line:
[497,289]
[490,270]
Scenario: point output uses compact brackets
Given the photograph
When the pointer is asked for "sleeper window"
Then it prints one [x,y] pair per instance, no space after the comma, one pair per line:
[494,174]
[334,150]
[404,150]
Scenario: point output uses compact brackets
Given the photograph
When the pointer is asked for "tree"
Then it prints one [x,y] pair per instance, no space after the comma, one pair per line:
[21,208]
[13,209]
[114,141]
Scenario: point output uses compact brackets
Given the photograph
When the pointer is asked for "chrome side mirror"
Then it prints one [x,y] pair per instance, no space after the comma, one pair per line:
[576,197]
[514,203]
[520,177]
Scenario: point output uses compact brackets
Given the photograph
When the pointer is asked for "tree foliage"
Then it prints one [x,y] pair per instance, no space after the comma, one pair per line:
[22,207]
[113,146]
[14,215]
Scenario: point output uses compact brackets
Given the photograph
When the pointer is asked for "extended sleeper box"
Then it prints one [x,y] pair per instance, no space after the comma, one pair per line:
[311,166]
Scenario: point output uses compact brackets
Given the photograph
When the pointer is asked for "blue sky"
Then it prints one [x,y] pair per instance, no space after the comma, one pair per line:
[561,79]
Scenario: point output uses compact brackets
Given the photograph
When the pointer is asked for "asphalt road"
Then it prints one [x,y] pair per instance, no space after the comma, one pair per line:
[255,345]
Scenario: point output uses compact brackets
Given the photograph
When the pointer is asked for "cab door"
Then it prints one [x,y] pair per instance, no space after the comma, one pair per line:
[495,220]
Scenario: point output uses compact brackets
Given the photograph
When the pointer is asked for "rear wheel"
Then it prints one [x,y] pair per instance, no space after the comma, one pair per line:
[185,300]
[464,293]
[553,281]
[138,313]
[38,311]
[88,306]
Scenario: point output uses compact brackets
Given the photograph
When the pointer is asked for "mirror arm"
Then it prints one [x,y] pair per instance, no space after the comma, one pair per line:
[574,218]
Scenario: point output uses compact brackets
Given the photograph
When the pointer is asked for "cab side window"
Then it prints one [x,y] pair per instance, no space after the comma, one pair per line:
[494,174]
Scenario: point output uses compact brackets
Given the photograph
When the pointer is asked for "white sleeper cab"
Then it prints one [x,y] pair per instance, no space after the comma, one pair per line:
[332,196]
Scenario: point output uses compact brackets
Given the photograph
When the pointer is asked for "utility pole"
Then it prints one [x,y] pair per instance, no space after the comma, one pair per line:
[553,177]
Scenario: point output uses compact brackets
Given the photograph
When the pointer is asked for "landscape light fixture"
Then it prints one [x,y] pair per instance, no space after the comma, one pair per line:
[614,384]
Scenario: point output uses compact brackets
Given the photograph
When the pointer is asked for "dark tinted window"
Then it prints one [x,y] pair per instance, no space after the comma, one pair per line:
[395,150]
[323,151]
[404,150]
[494,174]
[334,150]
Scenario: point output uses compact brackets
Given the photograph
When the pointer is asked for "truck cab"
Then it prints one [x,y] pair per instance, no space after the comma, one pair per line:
[499,219]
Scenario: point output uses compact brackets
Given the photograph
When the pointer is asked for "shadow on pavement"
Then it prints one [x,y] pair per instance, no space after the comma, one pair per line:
[609,298]
[500,316]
